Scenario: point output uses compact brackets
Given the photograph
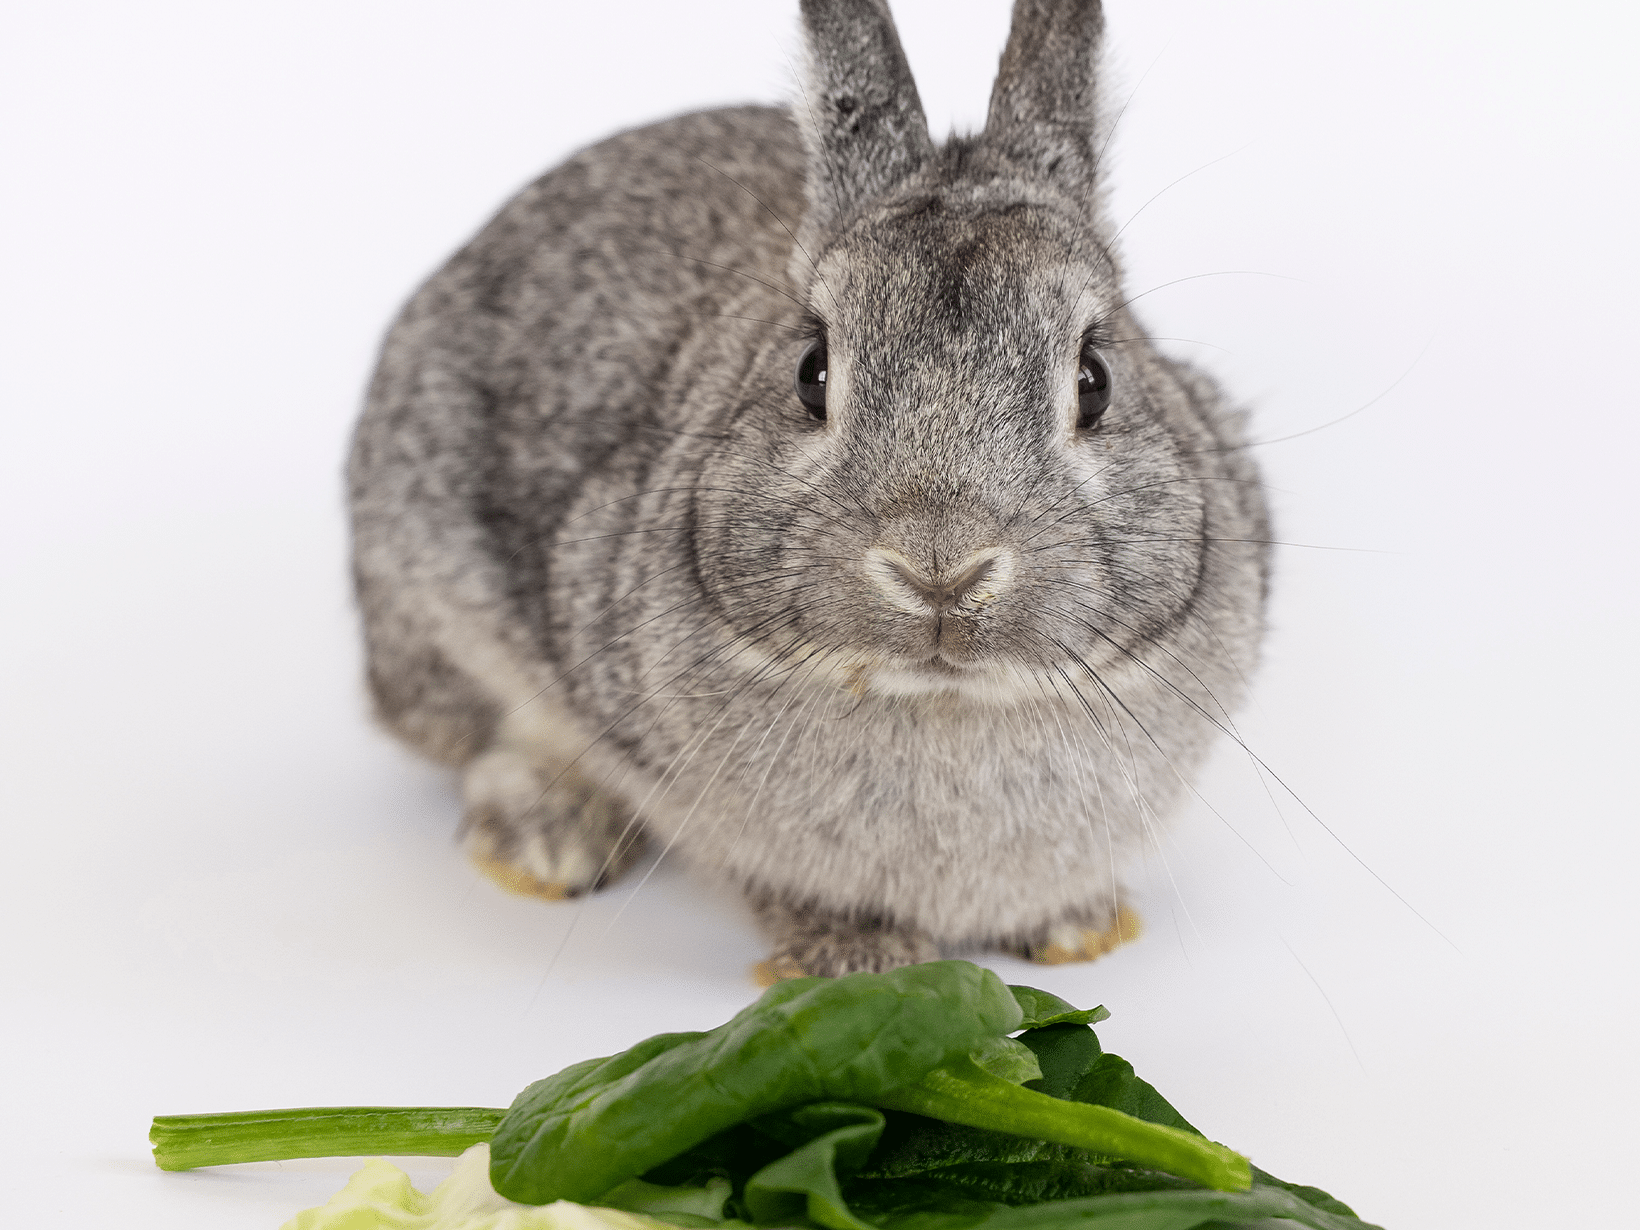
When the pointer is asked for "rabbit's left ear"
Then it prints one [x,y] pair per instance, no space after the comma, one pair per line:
[1043,115]
[861,118]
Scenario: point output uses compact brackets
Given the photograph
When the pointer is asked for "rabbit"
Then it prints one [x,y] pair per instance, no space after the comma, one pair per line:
[774,488]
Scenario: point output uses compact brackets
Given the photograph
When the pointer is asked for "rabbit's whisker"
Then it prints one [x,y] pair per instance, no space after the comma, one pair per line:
[754,319]
[1288,790]
[653,491]
[674,770]
[1133,341]
[1089,772]
[750,277]
[628,632]
[1395,384]
[1147,814]
[1200,538]
[1196,277]
[781,222]
[1188,174]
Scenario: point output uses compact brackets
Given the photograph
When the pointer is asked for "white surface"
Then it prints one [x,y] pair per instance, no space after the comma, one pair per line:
[223,889]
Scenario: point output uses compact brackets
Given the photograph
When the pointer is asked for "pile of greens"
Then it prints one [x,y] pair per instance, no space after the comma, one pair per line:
[892,1101]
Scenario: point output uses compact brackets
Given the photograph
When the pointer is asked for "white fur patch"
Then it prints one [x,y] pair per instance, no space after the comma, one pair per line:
[508,782]
[502,779]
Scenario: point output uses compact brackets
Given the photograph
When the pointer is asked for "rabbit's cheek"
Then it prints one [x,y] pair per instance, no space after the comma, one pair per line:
[1087,462]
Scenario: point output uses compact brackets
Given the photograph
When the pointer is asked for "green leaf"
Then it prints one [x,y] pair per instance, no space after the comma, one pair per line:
[635,1196]
[806,1181]
[858,1038]
[744,1123]
[1155,1210]
[734,1154]
[1012,1060]
[1045,1008]
[915,1145]
[926,1160]
[1015,1183]
[1110,1081]
[961,1092]
[1310,1195]
[1065,1053]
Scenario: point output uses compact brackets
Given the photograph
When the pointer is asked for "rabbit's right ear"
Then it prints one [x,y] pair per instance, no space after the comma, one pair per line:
[858,108]
[1044,105]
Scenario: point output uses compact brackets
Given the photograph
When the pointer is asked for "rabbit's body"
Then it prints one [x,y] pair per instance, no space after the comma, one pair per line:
[914,667]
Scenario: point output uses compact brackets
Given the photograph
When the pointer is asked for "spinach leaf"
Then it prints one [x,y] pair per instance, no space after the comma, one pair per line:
[915,1144]
[734,1154]
[973,1108]
[682,1206]
[963,1092]
[807,1180]
[1065,1053]
[576,1135]
[1044,1008]
[871,1102]
[1014,1183]
[1195,1209]
[1009,1059]
[1111,1081]
[924,1166]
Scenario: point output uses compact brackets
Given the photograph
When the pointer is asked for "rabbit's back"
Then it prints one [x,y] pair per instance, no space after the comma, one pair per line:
[539,354]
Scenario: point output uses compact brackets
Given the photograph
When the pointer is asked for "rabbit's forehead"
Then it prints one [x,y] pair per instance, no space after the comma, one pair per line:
[1010,276]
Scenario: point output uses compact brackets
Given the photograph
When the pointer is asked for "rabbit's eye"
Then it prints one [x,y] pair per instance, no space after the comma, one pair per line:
[1092,389]
[811,379]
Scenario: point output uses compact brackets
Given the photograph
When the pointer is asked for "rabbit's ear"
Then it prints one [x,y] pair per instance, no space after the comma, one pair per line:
[1043,115]
[858,108]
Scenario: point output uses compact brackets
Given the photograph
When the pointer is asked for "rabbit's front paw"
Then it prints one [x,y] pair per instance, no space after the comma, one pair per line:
[544,830]
[816,942]
[1081,941]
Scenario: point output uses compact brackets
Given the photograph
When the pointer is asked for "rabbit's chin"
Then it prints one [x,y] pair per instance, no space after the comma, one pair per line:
[989,683]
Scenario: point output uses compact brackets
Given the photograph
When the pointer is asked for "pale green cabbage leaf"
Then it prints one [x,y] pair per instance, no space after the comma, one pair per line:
[380,1197]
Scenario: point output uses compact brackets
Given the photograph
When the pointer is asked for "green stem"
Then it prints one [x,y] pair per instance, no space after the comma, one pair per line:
[182,1142]
[966,1093]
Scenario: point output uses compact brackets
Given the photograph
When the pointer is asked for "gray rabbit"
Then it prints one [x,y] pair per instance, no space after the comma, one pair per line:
[794,495]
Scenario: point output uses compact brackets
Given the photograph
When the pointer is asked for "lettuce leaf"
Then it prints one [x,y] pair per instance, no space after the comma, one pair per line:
[380,1197]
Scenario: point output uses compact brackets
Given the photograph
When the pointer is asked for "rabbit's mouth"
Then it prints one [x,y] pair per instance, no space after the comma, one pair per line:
[942,669]
[986,681]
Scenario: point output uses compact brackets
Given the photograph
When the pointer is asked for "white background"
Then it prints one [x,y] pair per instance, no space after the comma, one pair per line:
[223,890]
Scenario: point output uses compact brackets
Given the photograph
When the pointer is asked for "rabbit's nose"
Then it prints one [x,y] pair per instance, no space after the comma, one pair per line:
[920,590]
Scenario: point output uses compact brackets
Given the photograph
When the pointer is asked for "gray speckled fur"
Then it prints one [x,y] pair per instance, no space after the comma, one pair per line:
[604,554]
